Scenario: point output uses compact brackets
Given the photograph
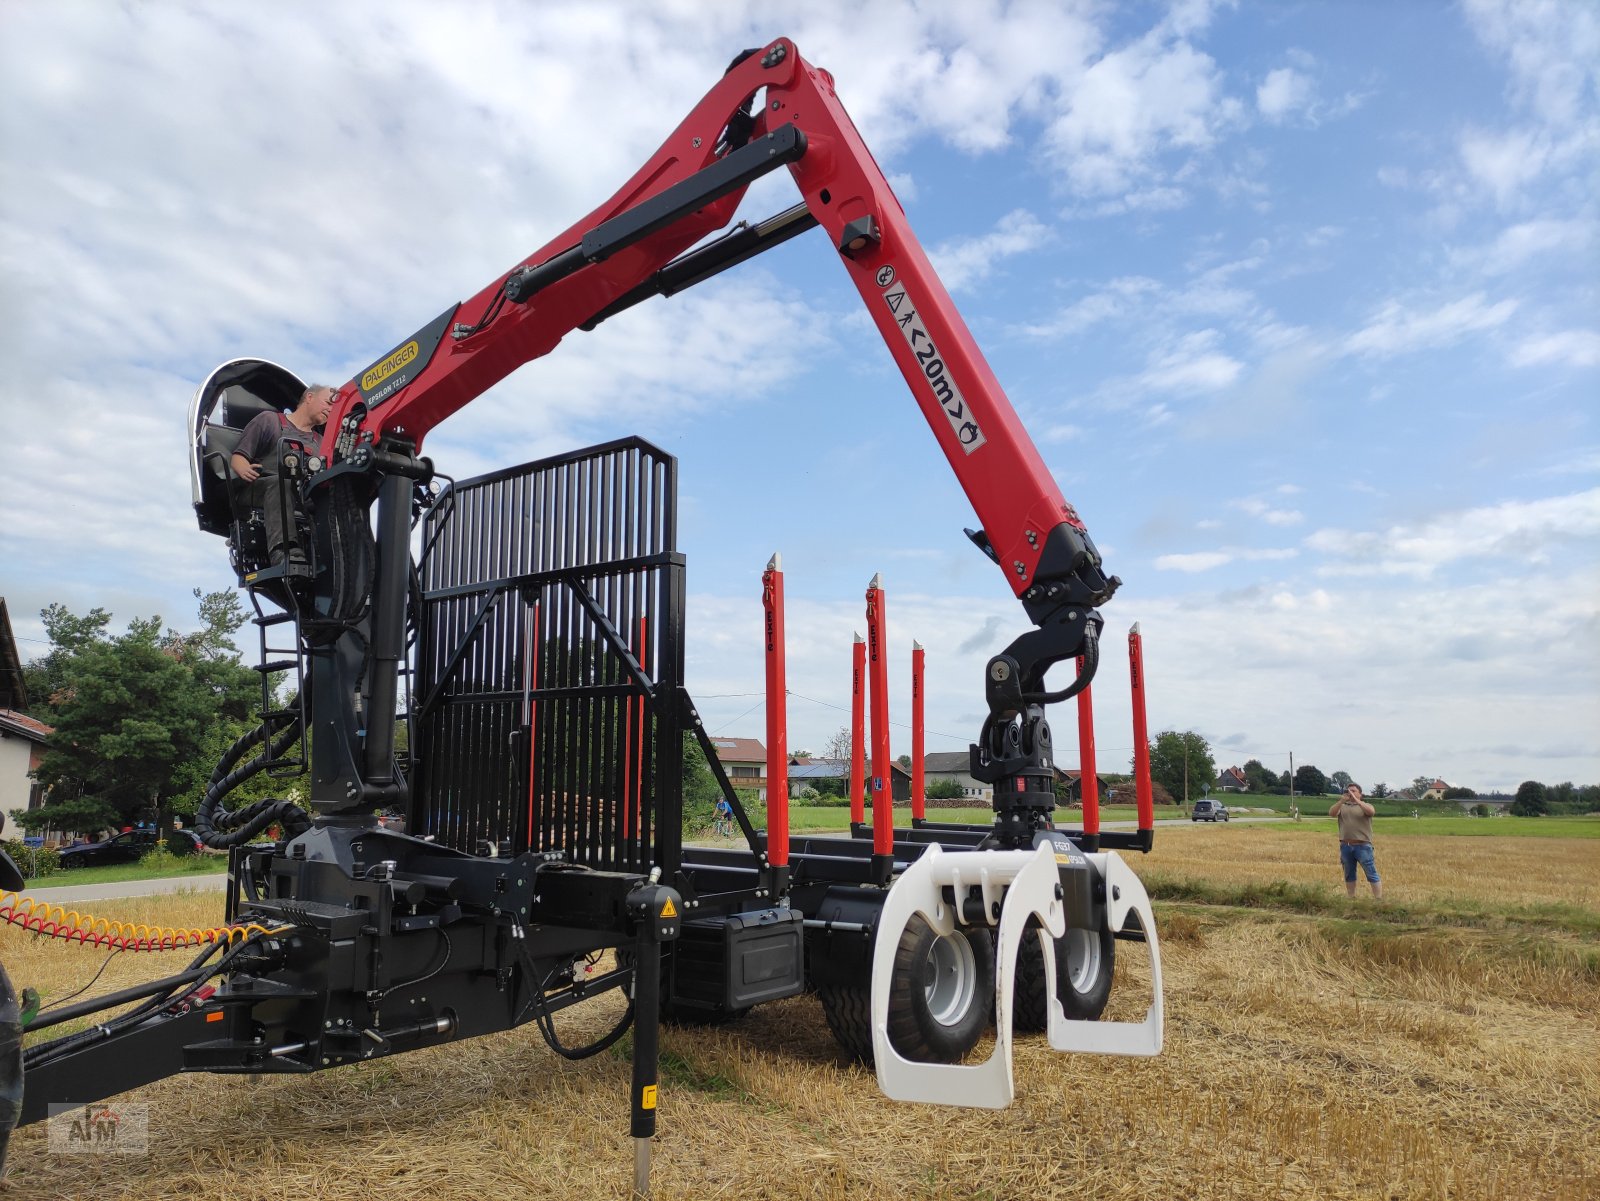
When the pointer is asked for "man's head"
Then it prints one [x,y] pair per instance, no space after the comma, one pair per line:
[316,402]
[1353,793]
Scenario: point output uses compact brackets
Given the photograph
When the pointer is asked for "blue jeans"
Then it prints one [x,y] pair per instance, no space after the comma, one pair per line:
[1361,853]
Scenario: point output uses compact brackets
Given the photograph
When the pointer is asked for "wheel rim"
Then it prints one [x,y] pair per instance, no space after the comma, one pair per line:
[1083,958]
[951,979]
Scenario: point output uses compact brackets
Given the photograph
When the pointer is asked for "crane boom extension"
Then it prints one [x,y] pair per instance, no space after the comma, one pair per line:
[630,247]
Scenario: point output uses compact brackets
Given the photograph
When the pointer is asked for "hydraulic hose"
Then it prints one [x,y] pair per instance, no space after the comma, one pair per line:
[220,829]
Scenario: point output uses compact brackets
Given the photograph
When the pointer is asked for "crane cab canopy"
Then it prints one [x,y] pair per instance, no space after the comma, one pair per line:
[223,405]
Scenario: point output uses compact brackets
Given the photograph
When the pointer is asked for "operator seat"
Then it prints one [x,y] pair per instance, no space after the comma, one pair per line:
[223,405]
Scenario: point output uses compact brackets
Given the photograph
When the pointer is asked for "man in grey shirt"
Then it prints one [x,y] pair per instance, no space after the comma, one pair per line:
[1355,839]
[256,463]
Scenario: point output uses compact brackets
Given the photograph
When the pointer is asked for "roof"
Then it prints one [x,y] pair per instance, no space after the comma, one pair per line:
[29,727]
[13,691]
[833,769]
[947,761]
[739,750]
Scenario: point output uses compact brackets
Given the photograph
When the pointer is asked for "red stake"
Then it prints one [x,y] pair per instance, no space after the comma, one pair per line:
[919,802]
[1141,734]
[858,730]
[777,721]
[882,781]
[1088,781]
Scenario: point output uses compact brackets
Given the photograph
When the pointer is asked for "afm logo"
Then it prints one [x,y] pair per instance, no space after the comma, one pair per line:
[381,371]
[99,1129]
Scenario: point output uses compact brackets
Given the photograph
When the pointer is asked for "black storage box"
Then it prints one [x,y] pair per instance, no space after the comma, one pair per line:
[721,966]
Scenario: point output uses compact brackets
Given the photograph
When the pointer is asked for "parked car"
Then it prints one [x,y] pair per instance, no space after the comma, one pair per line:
[127,847]
[1208,811]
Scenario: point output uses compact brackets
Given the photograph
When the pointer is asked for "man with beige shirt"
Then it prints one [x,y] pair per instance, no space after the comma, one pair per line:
[1355,839]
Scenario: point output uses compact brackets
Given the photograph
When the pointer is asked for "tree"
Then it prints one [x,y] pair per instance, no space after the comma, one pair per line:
[943,789]
[839,746]
[138,718]
[904,761]
[1178,759]
[1460,794]
[46,677]
[1308,781]
[1339,781]
[1589,799]
[1531,800]
[1380,790]
[1560,796]
[1257,777]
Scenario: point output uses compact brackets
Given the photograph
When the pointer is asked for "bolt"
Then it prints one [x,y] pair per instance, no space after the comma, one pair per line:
[999,672]
[695,143]
[1116,892]
[776,106]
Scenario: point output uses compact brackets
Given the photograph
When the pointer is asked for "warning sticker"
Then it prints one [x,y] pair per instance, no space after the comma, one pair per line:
[647,1099]
[932,365]
[669,909]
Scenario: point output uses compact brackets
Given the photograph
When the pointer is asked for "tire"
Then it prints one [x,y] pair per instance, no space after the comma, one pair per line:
[848,1009]
[1085,967]
[941,992]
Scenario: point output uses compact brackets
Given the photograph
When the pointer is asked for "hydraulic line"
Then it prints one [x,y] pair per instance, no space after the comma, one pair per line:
[221,829]
[54,921]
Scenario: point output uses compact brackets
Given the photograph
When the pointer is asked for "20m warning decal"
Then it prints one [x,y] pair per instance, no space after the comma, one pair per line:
[931,362]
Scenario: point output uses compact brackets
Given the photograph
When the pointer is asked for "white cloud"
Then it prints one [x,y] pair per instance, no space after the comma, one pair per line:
[1513,532]
[1283,93]
[1396,329]
[1505,162]
[1520,244]
[1257,507]
[1192,366]
[965,261]
[1573,348]
[1196,561]
[1135,104]
[1552,48]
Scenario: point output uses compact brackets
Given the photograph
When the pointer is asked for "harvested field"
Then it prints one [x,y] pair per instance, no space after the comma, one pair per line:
[1320,1049]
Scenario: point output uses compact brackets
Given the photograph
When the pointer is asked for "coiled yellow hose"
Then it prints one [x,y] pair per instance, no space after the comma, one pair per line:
[57,922]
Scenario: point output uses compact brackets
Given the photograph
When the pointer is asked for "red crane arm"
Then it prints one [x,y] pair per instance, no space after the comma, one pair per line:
[631,246]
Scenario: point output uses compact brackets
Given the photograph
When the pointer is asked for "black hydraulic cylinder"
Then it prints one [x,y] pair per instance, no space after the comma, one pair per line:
[388,639]
[734,170]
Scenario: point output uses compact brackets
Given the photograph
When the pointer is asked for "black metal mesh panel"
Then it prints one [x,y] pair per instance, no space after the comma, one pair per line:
[549,658]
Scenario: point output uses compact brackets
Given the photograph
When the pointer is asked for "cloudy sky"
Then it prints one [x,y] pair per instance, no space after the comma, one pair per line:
[1298,300]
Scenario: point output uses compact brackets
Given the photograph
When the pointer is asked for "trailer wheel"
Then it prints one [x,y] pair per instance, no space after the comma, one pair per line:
[941,992]
[848,1008]
[1085,965]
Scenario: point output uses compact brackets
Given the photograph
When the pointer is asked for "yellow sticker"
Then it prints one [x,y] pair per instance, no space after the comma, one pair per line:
[669,909]
[387,366]
[647,1099]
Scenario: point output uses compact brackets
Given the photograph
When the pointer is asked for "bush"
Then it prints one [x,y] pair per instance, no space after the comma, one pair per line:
[34,863]
[179,845]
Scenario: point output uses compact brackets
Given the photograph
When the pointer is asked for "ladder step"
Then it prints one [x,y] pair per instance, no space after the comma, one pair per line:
[273,619]
[276,665]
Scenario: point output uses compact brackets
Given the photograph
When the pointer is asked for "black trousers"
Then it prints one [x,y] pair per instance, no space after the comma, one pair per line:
[279,502]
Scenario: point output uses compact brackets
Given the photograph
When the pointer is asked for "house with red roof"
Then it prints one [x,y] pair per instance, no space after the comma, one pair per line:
[22,745]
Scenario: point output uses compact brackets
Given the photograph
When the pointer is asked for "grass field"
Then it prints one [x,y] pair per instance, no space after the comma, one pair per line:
[169,867]
[1440,1044]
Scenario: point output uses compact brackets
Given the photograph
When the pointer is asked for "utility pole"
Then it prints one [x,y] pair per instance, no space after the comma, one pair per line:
[1291,777]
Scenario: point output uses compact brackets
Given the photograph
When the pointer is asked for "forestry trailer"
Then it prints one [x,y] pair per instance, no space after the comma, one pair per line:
[500,661]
